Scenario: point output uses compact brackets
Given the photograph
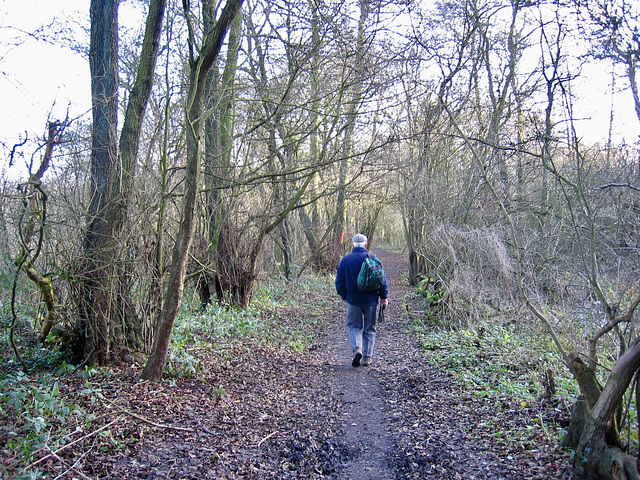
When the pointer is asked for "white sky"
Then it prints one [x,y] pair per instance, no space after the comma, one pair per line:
[594,103]
[40,80]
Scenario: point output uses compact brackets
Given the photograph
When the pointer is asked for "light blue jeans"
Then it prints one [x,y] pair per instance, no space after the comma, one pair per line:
[361,326]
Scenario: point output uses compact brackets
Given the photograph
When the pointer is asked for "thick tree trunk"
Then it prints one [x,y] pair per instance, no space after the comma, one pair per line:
[97,312]
[107,316]
[235,275]
[587,380]
[595,458]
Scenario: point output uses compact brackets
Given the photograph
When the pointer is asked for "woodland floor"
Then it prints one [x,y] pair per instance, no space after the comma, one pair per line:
[257,411]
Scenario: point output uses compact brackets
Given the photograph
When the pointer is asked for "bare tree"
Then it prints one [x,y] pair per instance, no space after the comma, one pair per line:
[353,100]
[31,235]
[219,132]
[104,303]
[199,68]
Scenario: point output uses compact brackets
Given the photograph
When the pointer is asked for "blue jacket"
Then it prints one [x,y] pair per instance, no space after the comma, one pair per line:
[348,270]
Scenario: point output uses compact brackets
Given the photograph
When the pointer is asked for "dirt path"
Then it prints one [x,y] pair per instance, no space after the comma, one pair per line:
[260,412]
[403,420]
[365,426]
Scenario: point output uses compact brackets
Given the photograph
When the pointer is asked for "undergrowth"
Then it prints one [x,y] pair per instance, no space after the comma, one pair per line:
[499,361]
[519,371]
[518,366]
[282,314]
[37,419]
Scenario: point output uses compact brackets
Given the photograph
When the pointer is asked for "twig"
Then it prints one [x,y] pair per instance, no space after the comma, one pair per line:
[624,185]
[85,361]
[54,454]
[69,467]
[85,453]
[267,438]
[159,425]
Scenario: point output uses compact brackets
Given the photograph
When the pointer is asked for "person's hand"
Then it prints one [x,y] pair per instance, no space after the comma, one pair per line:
[384,302]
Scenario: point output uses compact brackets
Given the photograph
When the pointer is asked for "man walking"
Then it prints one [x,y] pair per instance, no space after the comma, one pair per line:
[361,306]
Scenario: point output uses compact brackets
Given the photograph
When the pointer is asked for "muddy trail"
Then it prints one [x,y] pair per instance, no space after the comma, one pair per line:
[268,412]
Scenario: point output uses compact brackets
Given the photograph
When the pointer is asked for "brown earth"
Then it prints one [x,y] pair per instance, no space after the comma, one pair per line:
[258,412]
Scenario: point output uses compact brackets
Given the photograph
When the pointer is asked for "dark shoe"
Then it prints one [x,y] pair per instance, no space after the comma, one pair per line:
[366,361]
[356,358]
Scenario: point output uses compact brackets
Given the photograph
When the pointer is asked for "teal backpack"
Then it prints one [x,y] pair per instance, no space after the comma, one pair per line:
[371,275]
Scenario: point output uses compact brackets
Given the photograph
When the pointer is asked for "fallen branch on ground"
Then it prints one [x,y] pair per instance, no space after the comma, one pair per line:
[55,453]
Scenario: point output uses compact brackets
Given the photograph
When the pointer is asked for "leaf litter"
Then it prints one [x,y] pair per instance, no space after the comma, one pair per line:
[259,411]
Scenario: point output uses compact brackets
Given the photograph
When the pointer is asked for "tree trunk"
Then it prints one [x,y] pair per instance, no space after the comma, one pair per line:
[347,148]
[311,223]
[595,457]
[199,70]
[35,204]
[156,293]
[97,313]
[235,274]
[107,316]
[310,228]
[218,144]
[285,248]
[417,268]
[587,380]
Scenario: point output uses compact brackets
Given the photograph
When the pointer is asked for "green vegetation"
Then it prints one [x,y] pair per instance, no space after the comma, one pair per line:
[36,415]
[281,313]
[498,361]
[518,371]
[516,366]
